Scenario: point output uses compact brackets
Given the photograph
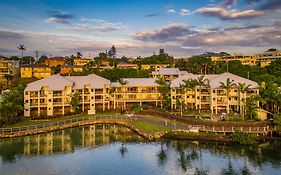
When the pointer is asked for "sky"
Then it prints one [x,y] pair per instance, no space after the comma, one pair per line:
[139,27]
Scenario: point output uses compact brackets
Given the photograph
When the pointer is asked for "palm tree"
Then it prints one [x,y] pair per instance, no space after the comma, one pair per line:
[78,54]
[112,90]
[22,48]
[251,105]
[228,85]
[9,78]
[201,82]
[243,88]
[164,90]
[75,102]
[123,83]
[189,84]
[181,90]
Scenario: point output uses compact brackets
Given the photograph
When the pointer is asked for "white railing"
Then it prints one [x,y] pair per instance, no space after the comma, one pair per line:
[58,123]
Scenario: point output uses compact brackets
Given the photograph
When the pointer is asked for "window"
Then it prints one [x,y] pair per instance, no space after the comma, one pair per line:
[214,91]
[26,93]
[26,101]
[229,98]
[50,100]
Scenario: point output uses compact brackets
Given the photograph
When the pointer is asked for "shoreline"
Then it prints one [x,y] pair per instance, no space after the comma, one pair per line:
[173,134]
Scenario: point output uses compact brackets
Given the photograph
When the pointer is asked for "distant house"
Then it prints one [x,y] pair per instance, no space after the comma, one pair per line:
[168,73]
[35,70]
[154,67]
[5,68]
[81,61]
[127,66]
[55,61]
[67,69]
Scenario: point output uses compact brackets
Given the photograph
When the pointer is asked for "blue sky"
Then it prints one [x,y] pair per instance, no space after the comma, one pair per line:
[139,27]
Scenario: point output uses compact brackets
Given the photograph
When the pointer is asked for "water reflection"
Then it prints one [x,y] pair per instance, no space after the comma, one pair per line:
[109,149]
[65,141]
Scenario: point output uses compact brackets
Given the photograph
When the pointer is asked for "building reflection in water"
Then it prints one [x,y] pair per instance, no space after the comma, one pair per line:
[68,140]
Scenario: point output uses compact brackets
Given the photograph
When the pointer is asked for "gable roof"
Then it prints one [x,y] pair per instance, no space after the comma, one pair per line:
[54,82]
[215,80]
[137,82]
[93,80]
[58,82]
[169,71]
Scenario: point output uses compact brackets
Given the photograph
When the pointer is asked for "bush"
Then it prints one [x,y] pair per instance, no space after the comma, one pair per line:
[243,138]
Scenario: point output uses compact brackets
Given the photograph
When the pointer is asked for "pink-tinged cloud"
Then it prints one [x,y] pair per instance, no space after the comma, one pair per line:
[225,14]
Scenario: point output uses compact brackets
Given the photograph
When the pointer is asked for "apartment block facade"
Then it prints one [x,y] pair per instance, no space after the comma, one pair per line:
[213,97]
[52,95]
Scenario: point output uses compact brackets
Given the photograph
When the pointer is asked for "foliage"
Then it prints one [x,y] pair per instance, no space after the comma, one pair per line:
[251,106]
[199,65]
[243,138]
[75,102]
[162,58]
[164,90]
[277,120]
[11,107]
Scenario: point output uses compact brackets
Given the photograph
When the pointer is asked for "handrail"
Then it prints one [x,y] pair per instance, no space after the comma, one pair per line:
[58,123]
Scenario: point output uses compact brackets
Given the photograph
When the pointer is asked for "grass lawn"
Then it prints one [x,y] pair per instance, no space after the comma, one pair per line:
[149,127]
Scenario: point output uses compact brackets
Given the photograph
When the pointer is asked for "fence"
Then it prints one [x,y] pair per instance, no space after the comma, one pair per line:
[58,123]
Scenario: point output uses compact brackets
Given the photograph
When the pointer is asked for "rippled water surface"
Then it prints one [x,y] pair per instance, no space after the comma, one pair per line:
[113,150]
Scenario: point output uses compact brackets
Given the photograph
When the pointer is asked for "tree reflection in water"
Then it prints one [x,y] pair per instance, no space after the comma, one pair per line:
[187,157]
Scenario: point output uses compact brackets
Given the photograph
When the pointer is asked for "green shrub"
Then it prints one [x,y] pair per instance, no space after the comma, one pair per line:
[243,138]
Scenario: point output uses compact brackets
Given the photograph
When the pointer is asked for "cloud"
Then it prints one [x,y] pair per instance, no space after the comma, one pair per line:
[151,15]
[171,11]
[228,3]
[252,2]
[60,17]
[213,39]
[270,5]
[94,25]
[224,14]
[9,35]
[184,12]
[167,33]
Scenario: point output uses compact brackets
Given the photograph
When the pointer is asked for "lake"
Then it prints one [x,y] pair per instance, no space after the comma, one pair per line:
[114,150]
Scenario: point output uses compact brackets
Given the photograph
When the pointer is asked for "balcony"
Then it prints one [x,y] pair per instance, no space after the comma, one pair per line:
[57,95]
[57,103]
[221,102]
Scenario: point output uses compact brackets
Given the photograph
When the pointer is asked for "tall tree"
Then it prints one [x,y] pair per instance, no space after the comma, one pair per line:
[190,84]
[123,83]
[75,102]
[112,52]
[251,106]
[228,85]
[78,54]
[201,82]
[243,89]
[164,90]
[11,108]
[22,48]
